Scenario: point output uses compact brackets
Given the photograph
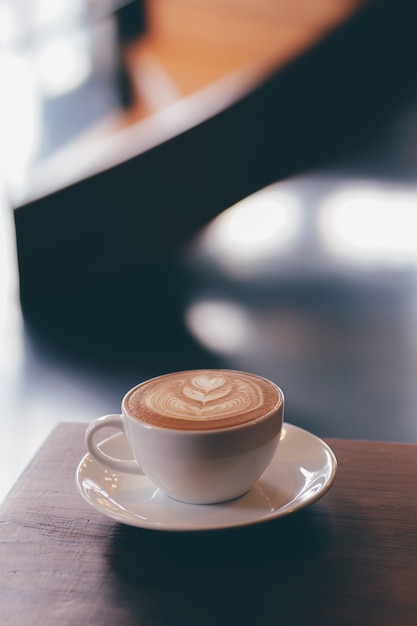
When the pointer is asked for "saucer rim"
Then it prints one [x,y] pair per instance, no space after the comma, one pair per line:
[280,512]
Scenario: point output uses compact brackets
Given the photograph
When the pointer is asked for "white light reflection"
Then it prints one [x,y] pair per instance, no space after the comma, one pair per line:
[260,226]
[283,432]
[219,326]
[372,223]
[307,475]
[64,63]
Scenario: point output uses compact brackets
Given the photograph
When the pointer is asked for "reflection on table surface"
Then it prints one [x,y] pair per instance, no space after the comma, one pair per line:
[310,282]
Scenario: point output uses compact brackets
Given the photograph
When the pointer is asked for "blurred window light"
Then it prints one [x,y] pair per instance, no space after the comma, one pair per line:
[19,115]
[263,225]
[47,12]
[8,23]
[220,326]
[64,63]
[372,223]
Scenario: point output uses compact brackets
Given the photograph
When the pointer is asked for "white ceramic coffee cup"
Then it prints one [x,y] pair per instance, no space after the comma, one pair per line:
[194,466]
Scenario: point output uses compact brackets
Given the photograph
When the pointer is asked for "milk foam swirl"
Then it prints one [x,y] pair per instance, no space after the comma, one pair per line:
[205,397]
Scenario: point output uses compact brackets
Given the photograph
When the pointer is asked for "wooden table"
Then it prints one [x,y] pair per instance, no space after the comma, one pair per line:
[351,558]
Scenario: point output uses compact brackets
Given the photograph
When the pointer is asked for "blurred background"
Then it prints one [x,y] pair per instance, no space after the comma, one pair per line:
[206,183]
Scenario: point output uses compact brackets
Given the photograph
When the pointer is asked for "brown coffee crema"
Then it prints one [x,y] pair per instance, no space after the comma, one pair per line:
[203,399]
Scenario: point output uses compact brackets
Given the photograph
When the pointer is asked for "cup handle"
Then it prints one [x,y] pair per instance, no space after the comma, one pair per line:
[120,465]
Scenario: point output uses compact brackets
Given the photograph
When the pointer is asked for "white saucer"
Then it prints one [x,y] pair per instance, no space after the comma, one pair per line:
[301,472]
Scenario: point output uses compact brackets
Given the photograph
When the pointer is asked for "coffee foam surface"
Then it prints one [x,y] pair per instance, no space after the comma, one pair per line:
[202,399]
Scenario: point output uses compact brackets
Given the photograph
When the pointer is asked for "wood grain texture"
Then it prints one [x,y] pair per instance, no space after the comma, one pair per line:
[350,558]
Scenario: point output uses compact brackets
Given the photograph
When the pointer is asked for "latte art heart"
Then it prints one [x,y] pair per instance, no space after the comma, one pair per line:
[204,388]
[205,397]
